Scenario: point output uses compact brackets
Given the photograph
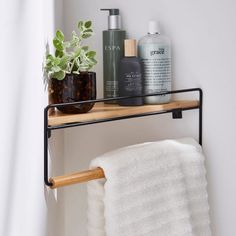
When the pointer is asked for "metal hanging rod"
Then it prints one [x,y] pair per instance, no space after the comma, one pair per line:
[98,173]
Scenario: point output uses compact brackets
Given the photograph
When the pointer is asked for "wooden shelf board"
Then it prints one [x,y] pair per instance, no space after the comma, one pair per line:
[104,111]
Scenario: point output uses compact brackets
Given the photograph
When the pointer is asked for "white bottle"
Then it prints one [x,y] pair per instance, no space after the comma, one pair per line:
[155,53]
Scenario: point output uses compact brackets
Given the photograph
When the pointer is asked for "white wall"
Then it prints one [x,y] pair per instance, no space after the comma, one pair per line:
[25,204]
[204,54]
[55,199]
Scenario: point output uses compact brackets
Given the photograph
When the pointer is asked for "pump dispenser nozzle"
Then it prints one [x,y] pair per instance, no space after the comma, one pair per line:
[114,21]
[112,11]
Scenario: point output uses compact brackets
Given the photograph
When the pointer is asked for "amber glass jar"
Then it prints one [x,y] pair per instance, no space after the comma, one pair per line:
[74,88]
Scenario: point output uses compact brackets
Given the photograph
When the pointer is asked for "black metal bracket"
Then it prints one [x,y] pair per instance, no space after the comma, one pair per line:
[176,114]
[49,133]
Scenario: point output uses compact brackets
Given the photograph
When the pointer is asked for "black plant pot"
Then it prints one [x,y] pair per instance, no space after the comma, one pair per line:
[74,88]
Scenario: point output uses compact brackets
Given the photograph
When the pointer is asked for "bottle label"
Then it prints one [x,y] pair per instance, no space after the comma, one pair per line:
[111,48]
[156,60]
[111,88]
[133,82]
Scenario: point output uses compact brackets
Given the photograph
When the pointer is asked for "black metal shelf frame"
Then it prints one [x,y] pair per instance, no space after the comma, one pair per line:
[176,114]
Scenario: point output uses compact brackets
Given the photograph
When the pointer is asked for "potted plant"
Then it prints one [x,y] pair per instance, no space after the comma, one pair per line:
[68,72]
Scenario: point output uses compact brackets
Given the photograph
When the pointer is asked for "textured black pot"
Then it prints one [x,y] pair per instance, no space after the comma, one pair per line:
[74,88]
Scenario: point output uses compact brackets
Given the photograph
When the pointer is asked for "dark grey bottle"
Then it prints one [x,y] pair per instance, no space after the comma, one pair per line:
[113,52]
[131,76]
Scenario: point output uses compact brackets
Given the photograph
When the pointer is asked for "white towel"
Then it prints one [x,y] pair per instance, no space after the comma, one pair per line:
[151,189]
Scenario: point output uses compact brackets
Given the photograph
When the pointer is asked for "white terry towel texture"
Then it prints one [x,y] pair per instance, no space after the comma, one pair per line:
[151,189]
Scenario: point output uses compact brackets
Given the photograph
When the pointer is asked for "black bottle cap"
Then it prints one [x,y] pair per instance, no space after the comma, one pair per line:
[112,11]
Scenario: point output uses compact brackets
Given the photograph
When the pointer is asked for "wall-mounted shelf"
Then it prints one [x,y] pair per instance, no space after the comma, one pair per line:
[104,113]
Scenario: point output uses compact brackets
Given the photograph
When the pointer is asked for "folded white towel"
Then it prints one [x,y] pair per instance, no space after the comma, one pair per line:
[151,189]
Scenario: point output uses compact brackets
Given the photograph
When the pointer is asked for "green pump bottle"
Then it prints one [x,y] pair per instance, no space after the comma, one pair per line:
[113,52]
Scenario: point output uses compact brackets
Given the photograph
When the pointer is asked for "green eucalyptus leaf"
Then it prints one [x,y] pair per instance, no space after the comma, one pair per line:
[91,54]
[90,62]
[75,40]
[88,31]
[59,53]
[88,24]
[57,44]
[48,68]
[85,48]
[49,56]
[80,25]
[93,61]
[86,35]
[73,43]
[56,69]
[63,67]
[64,62]
[90,67]
[65,59]
[56,61]
[59,75]
[48,61]
[77,52]
[60,36]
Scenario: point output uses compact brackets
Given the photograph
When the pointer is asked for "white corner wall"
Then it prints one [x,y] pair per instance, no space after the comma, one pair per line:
[204,53]
[54,199]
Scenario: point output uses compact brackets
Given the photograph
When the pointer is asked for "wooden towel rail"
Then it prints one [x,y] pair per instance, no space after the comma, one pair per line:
[75,178]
